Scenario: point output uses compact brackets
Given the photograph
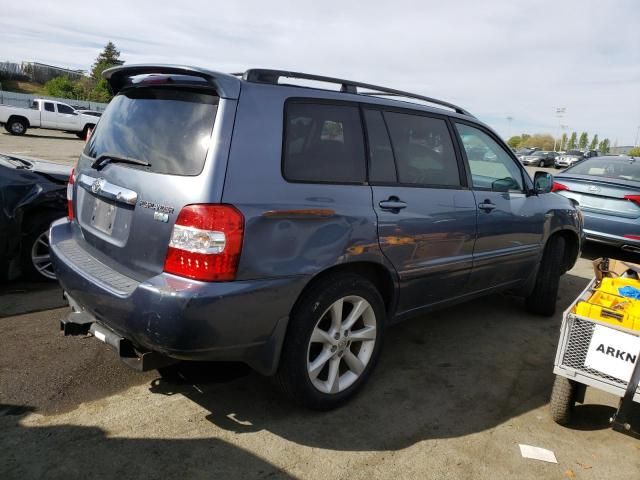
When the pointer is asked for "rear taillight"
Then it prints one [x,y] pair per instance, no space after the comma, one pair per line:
[558,187]
[205,243]
[634,198]
[632,237]
[70,194]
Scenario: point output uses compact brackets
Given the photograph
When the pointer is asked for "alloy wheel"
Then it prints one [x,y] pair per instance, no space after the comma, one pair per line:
[341,344]
[41,256]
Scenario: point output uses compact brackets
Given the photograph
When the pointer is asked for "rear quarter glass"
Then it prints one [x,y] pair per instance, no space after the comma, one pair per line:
[170,128]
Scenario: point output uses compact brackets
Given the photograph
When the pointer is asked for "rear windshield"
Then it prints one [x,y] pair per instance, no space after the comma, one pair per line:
[613,168]
[166,127]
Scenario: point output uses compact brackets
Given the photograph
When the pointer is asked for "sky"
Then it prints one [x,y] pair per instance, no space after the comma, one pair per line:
[498,59]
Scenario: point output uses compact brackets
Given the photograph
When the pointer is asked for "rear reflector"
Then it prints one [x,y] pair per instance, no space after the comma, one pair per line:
[634,198]
[205,243]
[558,187]
[70,194]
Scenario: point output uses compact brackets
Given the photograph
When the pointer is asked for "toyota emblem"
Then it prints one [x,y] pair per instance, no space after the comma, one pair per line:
[96,186]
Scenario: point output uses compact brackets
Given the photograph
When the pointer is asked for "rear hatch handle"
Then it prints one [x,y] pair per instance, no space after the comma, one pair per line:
[103,188]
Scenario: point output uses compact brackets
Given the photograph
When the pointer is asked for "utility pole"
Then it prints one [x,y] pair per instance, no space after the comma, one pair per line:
[560,111]
[637,136]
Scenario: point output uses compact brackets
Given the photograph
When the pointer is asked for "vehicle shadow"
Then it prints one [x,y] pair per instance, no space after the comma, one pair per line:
[22,296]
[43,452]
[452,373]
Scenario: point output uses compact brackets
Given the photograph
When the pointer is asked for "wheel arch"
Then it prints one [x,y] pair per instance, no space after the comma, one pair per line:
[572,247]
[19,117]
[382,278]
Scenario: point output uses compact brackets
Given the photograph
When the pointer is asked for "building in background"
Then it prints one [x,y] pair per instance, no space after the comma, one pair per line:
[620,150]
[42,73]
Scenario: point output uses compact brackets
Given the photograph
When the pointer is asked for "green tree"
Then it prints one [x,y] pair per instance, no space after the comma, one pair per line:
[108,58]
[594,143]
[604,146]
[563,141]
[61,87]
[573,141]
[584,140]
[514,141]
[634,152]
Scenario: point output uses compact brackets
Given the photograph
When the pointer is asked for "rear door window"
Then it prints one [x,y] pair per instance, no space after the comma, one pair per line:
[323,143]
[169,128]
[48,106]
[423,150]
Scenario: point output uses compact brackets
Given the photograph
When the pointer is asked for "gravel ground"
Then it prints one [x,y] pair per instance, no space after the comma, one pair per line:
[453,395]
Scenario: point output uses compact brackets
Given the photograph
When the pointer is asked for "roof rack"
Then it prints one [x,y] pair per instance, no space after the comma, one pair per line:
[259,75]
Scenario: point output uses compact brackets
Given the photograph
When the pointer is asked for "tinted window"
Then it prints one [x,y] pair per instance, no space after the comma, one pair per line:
[48,106]
[381,164]
[423,150]
[491,166]
[35,105]
[64,108]
[166,127]
[323,143]
[623,169]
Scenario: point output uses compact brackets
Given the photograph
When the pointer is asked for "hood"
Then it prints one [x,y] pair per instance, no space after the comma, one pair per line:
[57,171]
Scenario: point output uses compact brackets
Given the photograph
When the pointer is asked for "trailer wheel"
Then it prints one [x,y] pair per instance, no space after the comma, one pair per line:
[563,400]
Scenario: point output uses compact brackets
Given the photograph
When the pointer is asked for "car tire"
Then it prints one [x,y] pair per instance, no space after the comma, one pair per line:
[543,298]
[541,163]
[562,400]
[35,263]
[16,126]
[333,342]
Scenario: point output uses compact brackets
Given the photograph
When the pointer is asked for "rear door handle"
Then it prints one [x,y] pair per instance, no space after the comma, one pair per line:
[487,206]
[393,203]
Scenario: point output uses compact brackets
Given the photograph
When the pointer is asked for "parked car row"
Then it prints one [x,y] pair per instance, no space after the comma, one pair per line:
[559,159]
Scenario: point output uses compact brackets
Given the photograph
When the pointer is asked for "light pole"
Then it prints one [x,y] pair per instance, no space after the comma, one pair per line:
[560,111]
[637,136]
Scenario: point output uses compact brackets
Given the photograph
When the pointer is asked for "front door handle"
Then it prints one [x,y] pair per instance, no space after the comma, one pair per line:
[487,206]
[392,203]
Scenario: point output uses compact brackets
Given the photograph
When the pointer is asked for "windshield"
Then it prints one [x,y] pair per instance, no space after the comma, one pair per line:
[169,128]
[539,154]
[574,152]
[623,169]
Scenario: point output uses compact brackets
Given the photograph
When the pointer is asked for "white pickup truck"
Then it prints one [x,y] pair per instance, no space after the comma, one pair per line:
[46,114]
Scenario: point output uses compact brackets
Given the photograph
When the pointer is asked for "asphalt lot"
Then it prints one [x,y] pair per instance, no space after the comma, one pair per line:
[454,394]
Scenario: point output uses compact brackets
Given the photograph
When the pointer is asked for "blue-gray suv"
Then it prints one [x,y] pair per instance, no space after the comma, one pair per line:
[238,217]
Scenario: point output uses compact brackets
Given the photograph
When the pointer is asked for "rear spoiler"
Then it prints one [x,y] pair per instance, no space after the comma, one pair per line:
[226,85]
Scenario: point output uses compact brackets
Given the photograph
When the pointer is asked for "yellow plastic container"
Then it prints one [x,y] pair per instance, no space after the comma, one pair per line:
[608,306]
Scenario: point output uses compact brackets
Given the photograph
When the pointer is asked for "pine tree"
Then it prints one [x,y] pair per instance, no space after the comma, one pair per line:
[584,140]
[109,57]
[573,141]
[604,146]
[594,142]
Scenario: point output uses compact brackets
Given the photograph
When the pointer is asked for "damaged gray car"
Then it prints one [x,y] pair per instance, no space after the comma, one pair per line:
[33,193]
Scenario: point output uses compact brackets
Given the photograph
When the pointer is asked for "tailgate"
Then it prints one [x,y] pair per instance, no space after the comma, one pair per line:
[158,147]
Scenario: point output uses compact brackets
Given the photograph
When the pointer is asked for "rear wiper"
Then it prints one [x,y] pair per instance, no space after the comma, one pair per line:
[105,158]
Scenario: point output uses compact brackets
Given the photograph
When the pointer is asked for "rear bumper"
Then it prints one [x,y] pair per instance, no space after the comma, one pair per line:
[177,317]
[610,230]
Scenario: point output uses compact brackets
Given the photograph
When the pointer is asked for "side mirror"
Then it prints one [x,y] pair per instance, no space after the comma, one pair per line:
[542,182]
